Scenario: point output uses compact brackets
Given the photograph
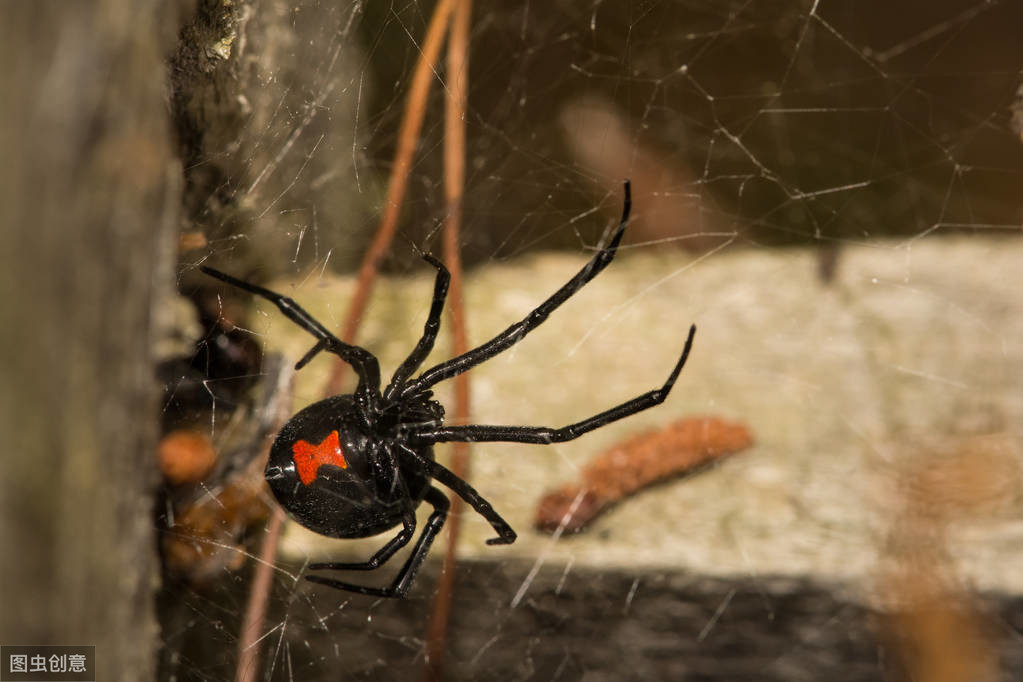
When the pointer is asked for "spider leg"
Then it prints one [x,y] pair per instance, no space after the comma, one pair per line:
[513,334]
[381,556]
[364,362]
[506,535]
[544,434]
[400,586]
[425,345]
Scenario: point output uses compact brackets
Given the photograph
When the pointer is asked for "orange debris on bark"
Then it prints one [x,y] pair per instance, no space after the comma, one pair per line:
[204,538]
[185,456]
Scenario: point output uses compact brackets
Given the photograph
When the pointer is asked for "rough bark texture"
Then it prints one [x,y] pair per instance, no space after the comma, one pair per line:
[263,95]
[88,206]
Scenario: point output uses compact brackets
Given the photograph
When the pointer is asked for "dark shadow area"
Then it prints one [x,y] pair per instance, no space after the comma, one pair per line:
[568,625]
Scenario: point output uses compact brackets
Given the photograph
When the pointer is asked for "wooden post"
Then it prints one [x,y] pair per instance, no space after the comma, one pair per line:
[89,201]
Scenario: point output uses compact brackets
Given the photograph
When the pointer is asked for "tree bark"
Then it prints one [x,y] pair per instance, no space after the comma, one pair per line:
[89,199]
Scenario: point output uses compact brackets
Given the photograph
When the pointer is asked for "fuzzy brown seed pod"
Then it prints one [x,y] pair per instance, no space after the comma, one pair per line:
[631,465]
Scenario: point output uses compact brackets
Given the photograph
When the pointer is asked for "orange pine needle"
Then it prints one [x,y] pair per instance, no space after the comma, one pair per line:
[637,463]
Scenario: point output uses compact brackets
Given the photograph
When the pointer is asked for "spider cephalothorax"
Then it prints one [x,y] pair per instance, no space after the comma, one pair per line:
[356,465]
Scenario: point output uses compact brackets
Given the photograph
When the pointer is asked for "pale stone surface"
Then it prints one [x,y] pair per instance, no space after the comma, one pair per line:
[913,350]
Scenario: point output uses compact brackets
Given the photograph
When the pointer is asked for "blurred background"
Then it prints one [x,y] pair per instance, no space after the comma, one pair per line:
[829,190]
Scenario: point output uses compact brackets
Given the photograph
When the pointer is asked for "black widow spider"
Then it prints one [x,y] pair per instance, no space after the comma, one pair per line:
[352,466]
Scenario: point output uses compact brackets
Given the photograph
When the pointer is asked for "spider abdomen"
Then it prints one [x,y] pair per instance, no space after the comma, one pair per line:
[338,480]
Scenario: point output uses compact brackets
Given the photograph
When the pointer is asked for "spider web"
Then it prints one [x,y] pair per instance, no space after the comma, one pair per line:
[830,190]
